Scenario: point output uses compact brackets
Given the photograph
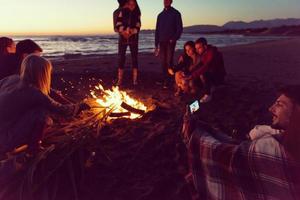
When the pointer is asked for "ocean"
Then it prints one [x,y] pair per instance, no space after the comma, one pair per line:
[57,46]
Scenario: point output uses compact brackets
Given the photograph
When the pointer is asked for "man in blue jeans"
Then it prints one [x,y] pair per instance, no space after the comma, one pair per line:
[168,31]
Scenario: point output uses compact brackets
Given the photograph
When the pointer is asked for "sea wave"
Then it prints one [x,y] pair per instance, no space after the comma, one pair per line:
[108,44]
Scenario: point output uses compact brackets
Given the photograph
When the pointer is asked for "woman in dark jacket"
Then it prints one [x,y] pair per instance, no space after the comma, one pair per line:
[8,61]
[25,105]
[128,26]
[187,64]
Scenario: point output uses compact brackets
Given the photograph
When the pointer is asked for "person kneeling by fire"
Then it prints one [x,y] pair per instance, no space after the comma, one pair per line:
[265,167]
[25,106]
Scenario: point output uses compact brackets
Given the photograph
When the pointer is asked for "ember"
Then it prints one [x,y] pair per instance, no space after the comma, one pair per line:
[119,103]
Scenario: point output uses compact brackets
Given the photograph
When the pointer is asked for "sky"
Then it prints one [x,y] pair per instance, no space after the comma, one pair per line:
[74,17]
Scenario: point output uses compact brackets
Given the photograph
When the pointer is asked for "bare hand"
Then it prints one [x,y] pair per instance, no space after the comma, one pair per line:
[126,34]
[188,125]
[156,52]
[171,72]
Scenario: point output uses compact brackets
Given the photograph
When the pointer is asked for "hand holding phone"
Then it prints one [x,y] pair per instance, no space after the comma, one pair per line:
[194,107]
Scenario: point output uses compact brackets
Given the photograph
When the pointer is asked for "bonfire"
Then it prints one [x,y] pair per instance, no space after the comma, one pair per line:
[118,103]
[69,139]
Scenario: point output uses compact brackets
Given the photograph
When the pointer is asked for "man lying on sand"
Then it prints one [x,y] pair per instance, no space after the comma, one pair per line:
[267,167]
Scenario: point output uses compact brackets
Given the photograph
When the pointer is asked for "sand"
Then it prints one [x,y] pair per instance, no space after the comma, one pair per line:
[147,156]
[152,164]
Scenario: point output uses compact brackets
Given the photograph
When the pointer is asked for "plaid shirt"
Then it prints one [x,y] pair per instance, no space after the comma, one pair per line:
[261,169]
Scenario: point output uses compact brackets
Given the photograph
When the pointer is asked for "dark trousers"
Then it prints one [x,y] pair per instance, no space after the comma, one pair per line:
[167,50]
[134,49]
[208,81]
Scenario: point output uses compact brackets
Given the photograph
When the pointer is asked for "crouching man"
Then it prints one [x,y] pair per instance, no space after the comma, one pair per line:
[211,71]
[266,167]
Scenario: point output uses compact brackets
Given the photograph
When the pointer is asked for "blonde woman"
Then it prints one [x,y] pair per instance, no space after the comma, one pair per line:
[25,105]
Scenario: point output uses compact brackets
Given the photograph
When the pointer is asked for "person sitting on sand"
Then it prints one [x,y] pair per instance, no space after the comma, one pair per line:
[265,167]
[21,50]
[8,63]
[212,71]
[187,64]
[25,105]
[128,26]
[25,48]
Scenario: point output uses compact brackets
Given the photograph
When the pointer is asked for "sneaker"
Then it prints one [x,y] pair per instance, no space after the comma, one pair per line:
[206,98]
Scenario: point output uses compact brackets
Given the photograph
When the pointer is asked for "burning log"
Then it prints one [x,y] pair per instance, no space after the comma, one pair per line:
[119,103]
[117,115]
[132,109]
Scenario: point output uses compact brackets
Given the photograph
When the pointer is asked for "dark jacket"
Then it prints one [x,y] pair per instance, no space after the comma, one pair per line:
[212,62]
[168,26]
[129,19]
[115,18]
[9,65]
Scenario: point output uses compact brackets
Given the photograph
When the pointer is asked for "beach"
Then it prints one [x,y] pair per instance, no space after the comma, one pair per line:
[147,158]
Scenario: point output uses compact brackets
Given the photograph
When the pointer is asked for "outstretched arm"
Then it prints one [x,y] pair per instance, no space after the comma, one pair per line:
[205,65]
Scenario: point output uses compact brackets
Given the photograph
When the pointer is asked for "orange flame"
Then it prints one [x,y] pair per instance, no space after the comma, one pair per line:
[112,100]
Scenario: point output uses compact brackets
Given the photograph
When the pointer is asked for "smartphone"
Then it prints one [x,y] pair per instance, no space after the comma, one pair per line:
[194,107]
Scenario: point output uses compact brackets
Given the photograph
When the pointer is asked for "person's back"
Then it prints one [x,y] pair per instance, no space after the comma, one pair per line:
[16,98]
[8,58]
[115,18]
[9,65]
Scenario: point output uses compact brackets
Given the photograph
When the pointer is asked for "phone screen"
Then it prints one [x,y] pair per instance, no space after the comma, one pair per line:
[194,106]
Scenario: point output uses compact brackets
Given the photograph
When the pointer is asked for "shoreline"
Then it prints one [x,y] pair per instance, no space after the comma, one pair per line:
[233,56]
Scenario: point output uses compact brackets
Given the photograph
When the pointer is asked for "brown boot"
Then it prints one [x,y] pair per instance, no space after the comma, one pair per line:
[120,77]
[135,76]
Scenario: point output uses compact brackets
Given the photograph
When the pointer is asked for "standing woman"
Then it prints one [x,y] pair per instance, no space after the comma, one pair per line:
[128,26]
[8,62]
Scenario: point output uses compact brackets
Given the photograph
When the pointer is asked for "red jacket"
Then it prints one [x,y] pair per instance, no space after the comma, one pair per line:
[211,61]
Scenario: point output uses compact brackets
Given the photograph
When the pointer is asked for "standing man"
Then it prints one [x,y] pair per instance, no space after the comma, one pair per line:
[168,31]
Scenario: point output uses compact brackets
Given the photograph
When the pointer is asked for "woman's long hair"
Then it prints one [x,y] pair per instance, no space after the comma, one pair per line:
[191,44]
[4,43]
[137,10]
[36,71]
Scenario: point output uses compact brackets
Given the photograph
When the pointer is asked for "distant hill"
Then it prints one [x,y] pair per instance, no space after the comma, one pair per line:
[202,28]
[242,26]
[275,31]
[262,23]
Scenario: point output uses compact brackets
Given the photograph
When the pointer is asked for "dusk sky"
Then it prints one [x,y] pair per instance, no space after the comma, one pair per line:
[95,16]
